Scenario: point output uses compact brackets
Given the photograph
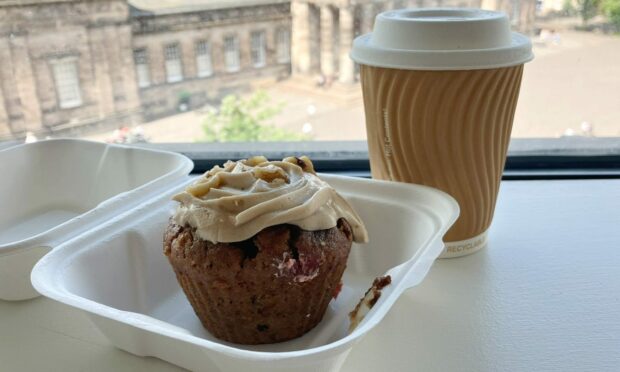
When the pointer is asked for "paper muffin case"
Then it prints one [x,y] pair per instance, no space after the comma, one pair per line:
[262,299]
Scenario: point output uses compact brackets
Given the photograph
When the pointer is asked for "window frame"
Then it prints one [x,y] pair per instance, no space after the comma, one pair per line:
[179,53]
[237,50]
[64,103]
[569,158]
[203,54]
[282,57]
[528,159]
[261,49]
[145,65]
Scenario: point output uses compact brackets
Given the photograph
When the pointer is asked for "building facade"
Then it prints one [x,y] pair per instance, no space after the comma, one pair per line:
[73,65]
[185,59]
[65,64]
[323,30]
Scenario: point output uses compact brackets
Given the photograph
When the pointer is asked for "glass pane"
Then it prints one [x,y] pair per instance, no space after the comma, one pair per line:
[142,67]
[174,69]
[258,48]
[194,71]
[203,59]
[231,53]
[67,83]
[283,45]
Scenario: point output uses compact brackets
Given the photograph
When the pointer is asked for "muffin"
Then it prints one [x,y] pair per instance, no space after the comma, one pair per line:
[259,248]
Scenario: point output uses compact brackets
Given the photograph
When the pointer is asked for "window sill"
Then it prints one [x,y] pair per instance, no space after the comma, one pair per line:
[69,106]
[557,158]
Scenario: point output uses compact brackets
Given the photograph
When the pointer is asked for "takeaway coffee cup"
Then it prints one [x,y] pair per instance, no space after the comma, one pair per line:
[440,89]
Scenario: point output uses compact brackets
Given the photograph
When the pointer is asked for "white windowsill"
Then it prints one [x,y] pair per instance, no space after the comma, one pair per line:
[70,104]
[542,296]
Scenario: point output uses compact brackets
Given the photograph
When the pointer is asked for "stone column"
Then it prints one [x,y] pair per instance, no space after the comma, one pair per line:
[127,66]
[489,4]
[8,85]
[368,18]
[327,41]
[26,83]
[347,67]
[5,128]
[102,72]
[300,40]
[315,38]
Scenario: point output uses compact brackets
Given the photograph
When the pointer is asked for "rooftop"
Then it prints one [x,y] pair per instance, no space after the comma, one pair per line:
[161,7]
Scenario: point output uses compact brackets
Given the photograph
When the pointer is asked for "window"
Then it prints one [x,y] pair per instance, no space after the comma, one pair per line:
[141,60]
[67,82]
[231,53]
[283,45]
[203,59]
[155,59]
[258,48]
[174,68]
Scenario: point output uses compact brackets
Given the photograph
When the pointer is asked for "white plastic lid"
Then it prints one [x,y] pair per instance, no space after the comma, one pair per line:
[442,39]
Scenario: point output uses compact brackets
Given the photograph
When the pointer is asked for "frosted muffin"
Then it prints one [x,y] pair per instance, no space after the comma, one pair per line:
[260,247]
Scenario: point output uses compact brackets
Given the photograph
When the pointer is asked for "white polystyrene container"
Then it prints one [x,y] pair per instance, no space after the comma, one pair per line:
[54,190]
[120,277]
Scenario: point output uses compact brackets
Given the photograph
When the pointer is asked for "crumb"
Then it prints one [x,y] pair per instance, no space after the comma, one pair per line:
[368,301]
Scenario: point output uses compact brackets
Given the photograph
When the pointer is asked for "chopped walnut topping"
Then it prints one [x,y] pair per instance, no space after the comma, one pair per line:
[212,172]
[260,167]
[202,188]
[255,160]
[303,162]
[270,173]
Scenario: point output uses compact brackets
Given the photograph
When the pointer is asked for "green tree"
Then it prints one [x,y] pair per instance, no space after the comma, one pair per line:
[611,8]
[246,120]
[587,9]
[568,8]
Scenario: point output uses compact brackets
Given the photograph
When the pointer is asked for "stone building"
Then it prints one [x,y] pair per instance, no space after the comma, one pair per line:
[323,30]
[65,64]
[70,65]
[188,56]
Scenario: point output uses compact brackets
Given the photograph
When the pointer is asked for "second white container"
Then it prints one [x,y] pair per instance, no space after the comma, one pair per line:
[54,190]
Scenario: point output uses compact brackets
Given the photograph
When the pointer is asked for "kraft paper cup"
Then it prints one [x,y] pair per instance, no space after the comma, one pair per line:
[440,89]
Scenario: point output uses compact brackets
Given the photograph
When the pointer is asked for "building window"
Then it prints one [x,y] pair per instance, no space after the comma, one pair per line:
[203,59]
[283,45]
[174,68]
[141,59]
[258,48]
[67,82]
[231,53]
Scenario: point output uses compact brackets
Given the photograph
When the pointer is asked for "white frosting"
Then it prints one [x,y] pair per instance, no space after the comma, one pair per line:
[236,202]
